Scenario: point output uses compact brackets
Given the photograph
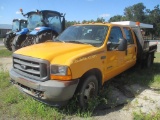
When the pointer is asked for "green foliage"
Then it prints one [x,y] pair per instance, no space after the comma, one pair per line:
[135,12]
[5,53]
[142,116]
[117,18]
[139,12]
[4,78]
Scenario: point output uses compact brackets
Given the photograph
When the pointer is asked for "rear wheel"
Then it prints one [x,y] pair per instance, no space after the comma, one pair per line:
[8,41]
[88,90]
[18,40]
[149,60]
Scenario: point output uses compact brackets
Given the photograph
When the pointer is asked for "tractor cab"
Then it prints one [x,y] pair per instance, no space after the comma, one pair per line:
[45,18]
[18,24]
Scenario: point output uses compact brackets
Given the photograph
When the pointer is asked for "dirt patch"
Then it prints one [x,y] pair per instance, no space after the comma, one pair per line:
[5,63]
[121,107]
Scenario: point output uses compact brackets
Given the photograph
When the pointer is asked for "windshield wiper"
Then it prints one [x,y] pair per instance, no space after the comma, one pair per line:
[78,42]
[56,40]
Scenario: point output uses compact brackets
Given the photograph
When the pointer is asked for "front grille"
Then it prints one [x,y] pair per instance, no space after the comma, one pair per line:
[33,68]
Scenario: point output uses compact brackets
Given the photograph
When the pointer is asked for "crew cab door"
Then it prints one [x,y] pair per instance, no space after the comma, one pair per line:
[114,57]
[130,57]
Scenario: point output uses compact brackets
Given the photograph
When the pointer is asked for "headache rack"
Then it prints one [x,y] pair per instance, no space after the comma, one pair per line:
[33,68]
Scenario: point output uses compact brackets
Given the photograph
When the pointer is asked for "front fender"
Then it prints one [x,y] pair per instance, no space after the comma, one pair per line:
[23,31]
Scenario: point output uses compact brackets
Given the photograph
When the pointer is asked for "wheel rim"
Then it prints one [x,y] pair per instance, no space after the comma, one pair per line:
[89,91]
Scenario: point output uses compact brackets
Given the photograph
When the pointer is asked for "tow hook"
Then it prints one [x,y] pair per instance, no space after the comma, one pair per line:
[38,94]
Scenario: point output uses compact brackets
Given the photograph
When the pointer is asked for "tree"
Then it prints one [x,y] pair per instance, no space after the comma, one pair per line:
[117,18]
[100,19]
[138,12]
[69,23]
[154,18]
[135,12]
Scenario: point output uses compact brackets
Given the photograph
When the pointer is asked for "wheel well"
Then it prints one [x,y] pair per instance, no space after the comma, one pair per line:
[95,72]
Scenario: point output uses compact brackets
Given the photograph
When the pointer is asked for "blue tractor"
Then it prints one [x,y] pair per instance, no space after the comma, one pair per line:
[17,25]
[42,26]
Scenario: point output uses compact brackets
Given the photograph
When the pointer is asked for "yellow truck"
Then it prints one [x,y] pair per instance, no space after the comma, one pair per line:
[80,61]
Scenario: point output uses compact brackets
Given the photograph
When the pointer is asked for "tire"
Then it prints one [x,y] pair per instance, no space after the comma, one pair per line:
[18,40]
[43,37]
[87,90]
[149,60]
[8,41]
[28,41]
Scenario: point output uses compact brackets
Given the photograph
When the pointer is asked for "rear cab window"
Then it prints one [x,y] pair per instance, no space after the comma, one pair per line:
[128,35]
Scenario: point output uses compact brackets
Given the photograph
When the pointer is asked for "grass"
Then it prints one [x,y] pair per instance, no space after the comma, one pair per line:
[4,52]
[142,116]
[15,105]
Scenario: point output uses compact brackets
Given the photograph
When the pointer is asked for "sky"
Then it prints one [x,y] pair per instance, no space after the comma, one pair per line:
[77,10]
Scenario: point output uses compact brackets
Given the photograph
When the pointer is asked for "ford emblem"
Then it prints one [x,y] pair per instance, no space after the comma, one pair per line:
[24,67]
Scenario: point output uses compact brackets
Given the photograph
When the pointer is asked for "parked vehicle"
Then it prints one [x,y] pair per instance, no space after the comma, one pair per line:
[42,26]
[80,61]
[17,25]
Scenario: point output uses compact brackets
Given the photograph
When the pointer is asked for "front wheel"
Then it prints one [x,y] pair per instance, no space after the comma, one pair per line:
[8,41]
[18,40]
[88,90]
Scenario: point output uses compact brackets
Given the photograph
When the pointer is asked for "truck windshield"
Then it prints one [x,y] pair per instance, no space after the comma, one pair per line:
[15,26]
[88,34]
[34,20]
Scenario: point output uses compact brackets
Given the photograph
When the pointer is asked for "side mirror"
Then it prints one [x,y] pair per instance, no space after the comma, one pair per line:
[109,44]
[122,45]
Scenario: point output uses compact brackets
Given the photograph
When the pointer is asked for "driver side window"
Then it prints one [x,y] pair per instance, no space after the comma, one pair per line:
[114,38]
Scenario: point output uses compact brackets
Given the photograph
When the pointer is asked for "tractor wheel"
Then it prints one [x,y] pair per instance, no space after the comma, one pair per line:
[28,41]
[8,41]
[87,90]
[18,40]
[43,37]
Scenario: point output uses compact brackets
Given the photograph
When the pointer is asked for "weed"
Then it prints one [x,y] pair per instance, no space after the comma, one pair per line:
[4,78]
[5,53]
[143,116]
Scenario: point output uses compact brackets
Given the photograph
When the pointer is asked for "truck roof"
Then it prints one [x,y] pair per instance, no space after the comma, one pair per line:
[124,23]
[133,24]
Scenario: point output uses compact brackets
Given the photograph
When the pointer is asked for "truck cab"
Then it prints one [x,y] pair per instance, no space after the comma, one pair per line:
[79,61]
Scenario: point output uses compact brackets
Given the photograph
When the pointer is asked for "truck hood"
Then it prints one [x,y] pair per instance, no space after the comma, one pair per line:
[51,50]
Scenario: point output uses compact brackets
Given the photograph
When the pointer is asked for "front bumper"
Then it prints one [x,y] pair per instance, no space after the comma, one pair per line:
[53,92]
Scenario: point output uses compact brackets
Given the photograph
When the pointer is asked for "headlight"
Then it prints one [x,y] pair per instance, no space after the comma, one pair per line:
[60,72]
